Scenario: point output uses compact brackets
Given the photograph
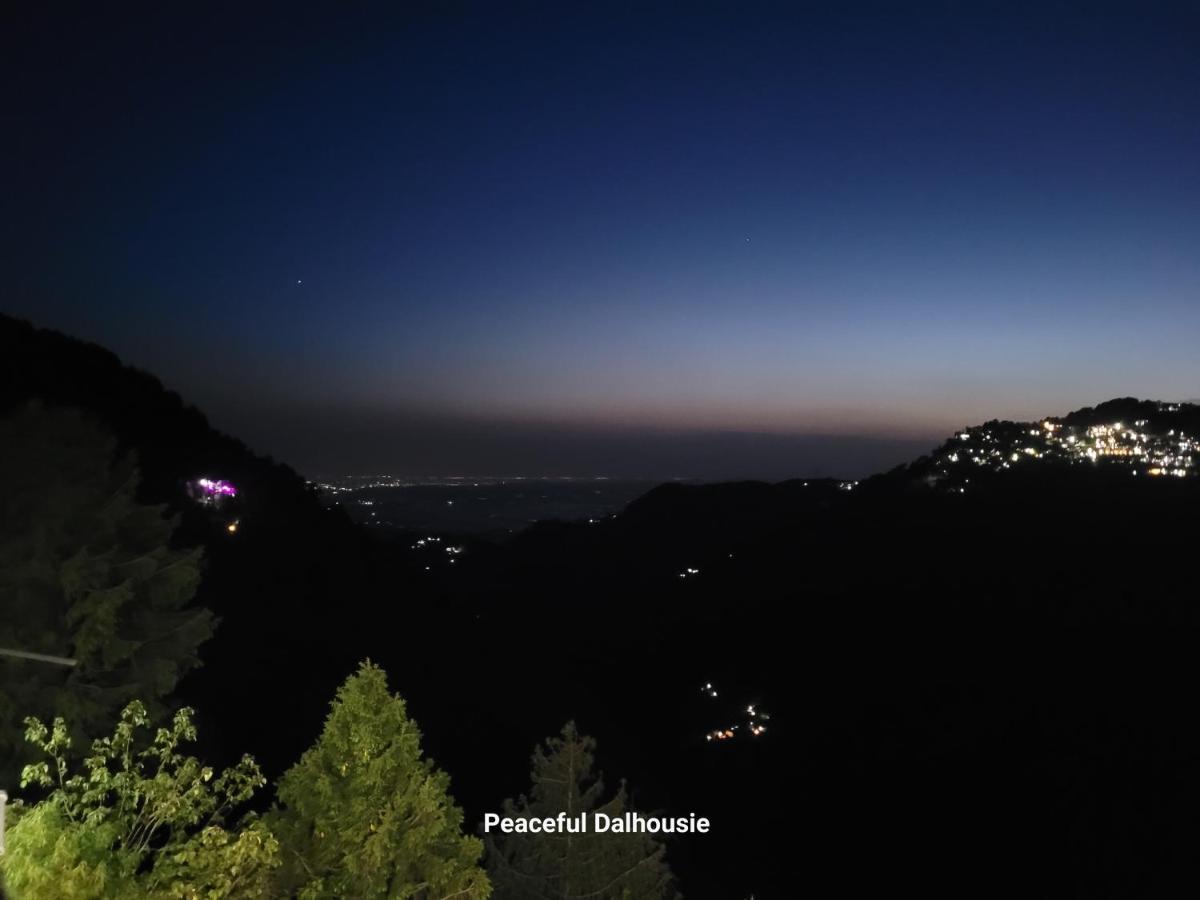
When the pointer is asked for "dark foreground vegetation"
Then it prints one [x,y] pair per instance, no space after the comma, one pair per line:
[985,691]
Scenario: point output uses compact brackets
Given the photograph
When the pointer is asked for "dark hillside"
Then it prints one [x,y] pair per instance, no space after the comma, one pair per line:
[980,668]
[286,585]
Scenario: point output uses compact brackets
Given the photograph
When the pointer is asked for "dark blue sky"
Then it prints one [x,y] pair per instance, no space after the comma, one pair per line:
[350,237]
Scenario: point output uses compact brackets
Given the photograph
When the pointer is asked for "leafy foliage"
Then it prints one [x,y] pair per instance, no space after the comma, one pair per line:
[86,571]
[557,866]
[364,815]
[140,820]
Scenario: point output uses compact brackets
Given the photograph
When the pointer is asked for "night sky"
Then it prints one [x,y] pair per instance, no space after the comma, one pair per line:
[650,240]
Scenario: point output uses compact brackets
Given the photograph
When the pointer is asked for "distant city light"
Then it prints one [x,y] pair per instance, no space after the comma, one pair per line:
[754,720]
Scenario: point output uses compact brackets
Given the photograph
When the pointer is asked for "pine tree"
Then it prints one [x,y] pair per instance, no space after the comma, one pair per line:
[86,572]
[560,866]
[364,815]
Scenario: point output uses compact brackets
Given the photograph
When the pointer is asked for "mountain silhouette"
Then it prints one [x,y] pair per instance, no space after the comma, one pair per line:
[979,666]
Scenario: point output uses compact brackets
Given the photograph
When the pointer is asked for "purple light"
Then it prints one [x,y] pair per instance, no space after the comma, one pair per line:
[216,488]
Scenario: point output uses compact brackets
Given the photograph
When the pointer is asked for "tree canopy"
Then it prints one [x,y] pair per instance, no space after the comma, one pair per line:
[562,865]
[86,572]
[141,819]
[364,814]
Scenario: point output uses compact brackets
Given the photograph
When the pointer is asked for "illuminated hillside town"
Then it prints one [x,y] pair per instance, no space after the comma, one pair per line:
[1144,447]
